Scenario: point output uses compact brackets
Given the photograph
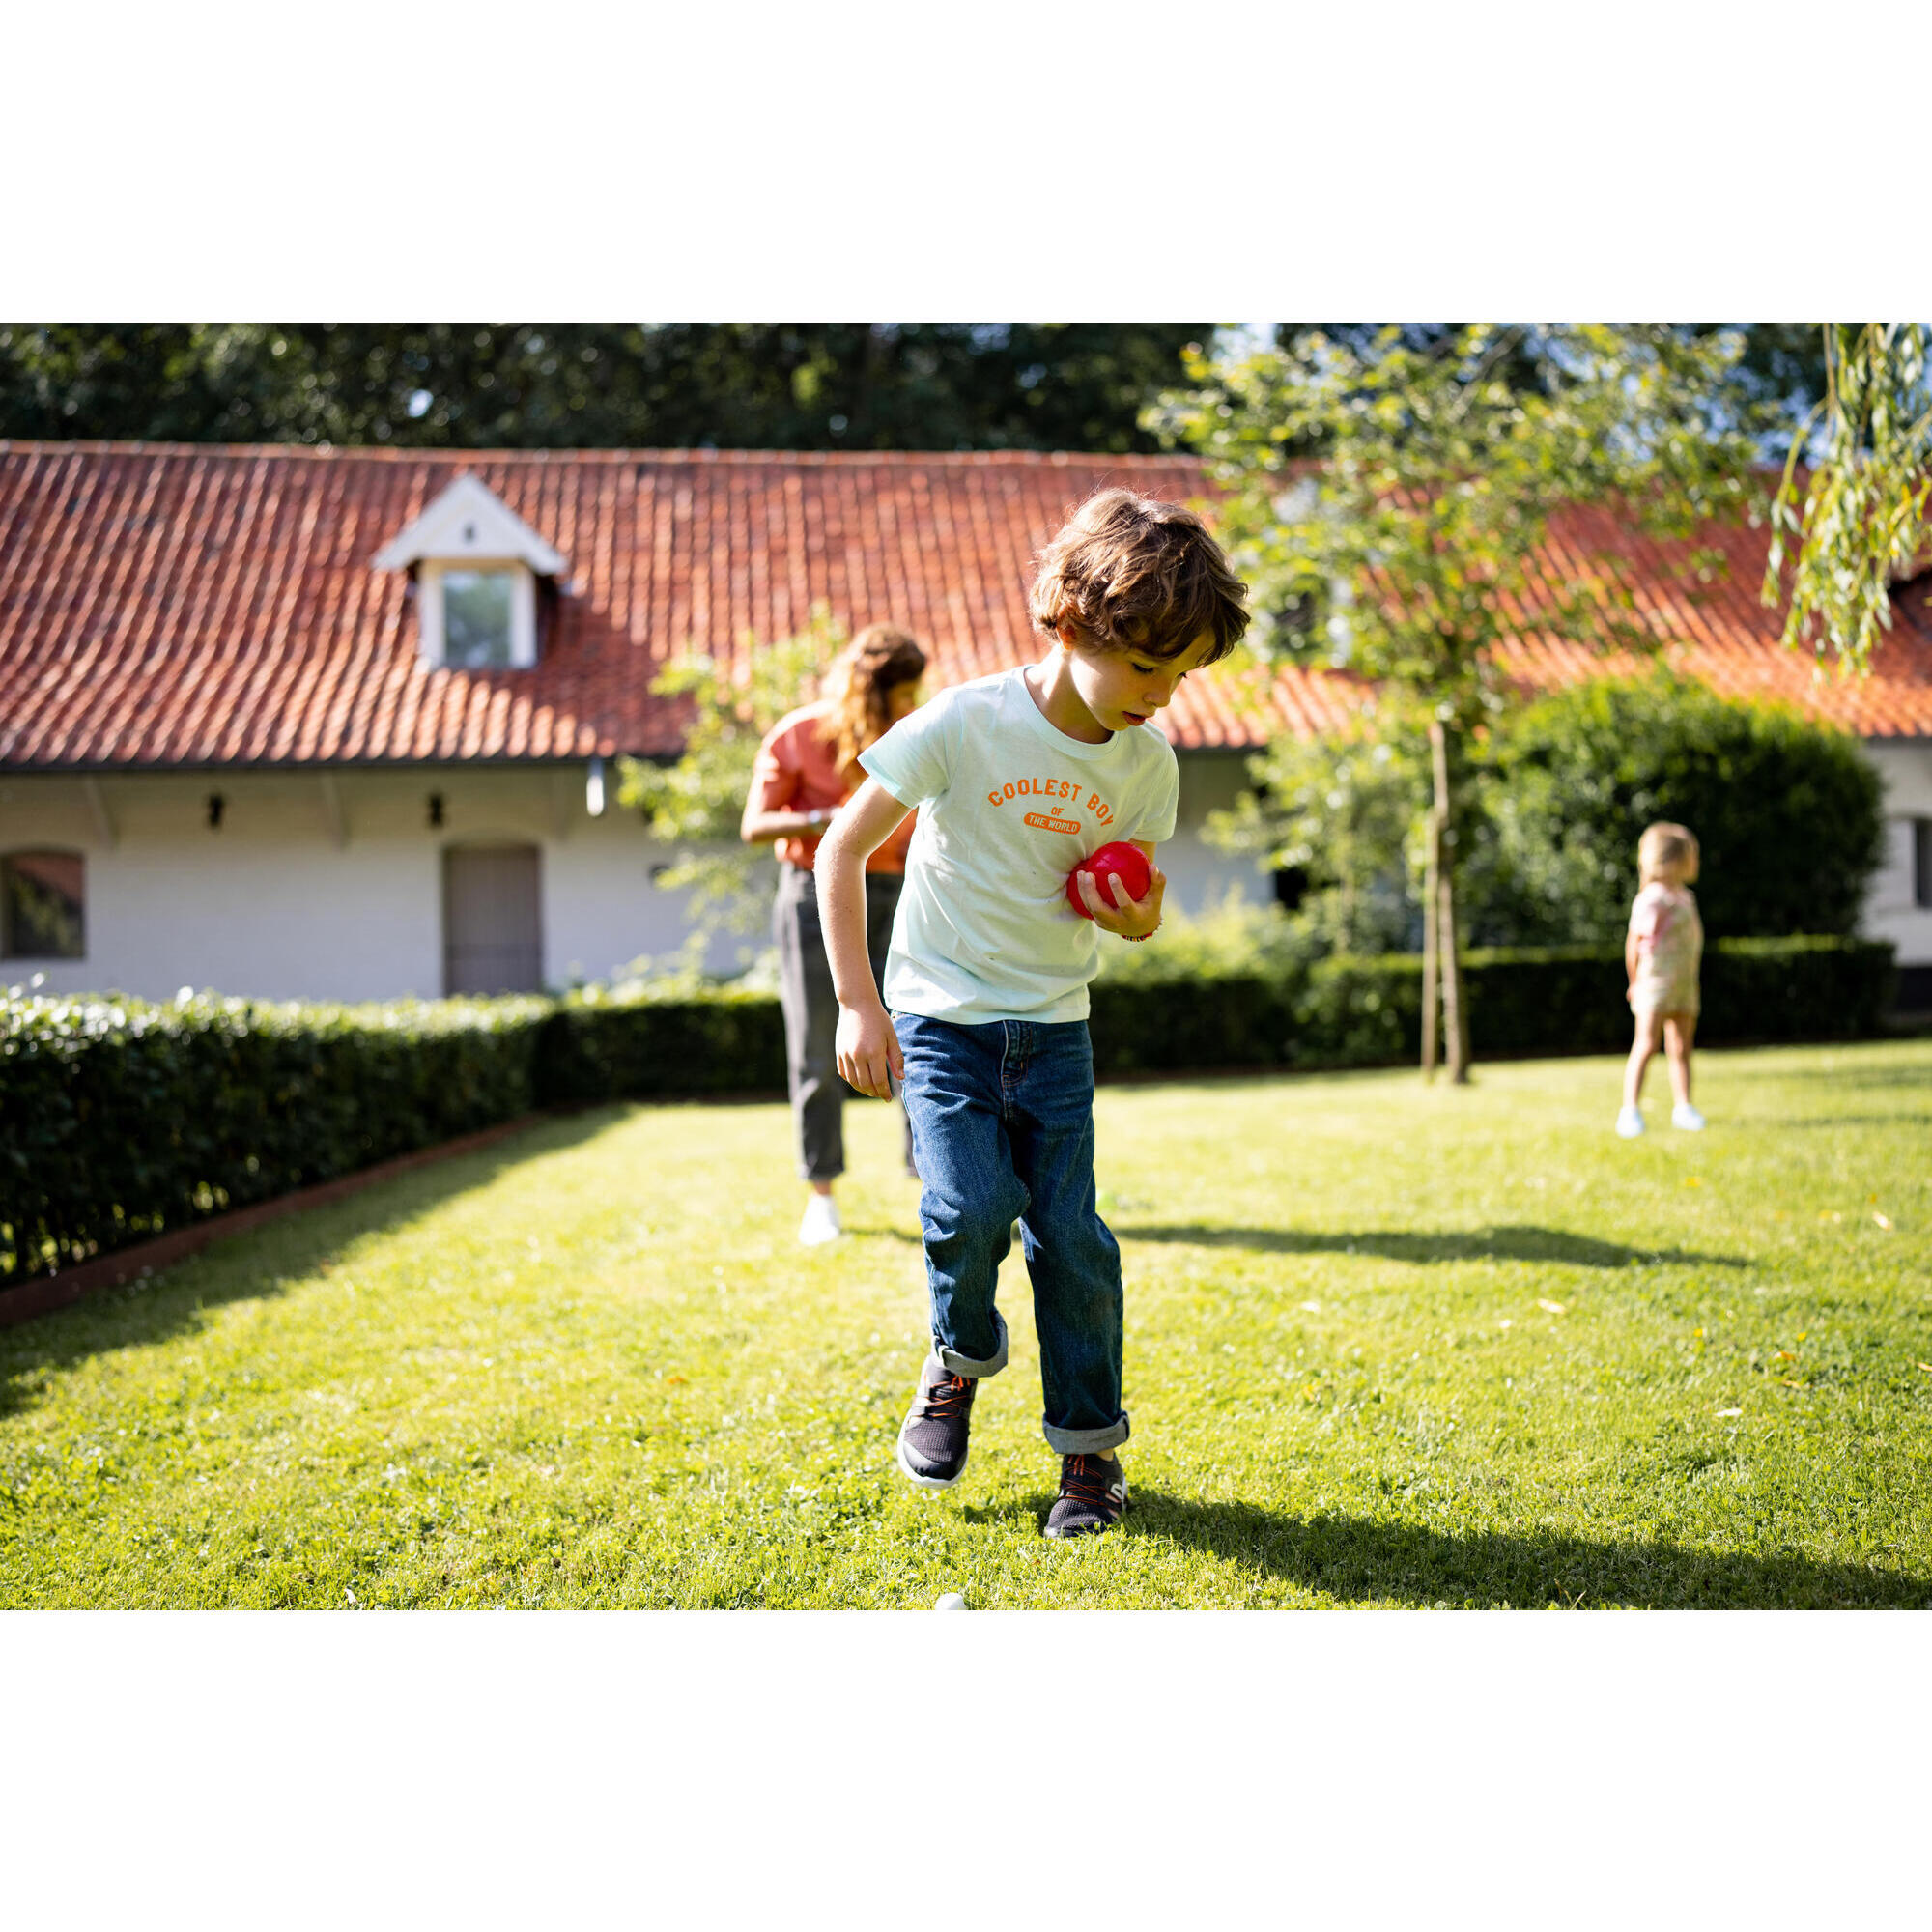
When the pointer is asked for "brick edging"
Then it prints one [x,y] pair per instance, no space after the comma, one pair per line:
[43,1296]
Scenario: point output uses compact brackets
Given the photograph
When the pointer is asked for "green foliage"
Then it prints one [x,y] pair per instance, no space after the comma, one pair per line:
[1779,370]
[120,1120]
[1788,813]
[577,385]
[659,1038]
[1231,1019]
[1383,1349]
[1343,811]
[1818,988]
[694,803]
[1389,506]
[1555,794]
[1291,1010]
[1234,938]
[1419,535]
[1866,513]
[1353,1012]
[1557,999]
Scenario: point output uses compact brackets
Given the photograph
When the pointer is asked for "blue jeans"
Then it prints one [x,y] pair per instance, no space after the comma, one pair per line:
[1003,1126]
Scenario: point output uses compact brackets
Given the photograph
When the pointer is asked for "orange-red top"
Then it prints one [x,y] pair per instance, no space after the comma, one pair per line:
[795,772]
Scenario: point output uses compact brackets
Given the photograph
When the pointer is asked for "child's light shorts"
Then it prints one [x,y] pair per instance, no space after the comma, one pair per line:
[1676,996]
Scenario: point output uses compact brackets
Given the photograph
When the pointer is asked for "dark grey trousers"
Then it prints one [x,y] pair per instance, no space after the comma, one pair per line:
[811,1012]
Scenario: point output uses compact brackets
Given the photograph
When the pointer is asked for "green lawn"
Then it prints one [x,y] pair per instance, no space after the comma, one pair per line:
[1385,1345]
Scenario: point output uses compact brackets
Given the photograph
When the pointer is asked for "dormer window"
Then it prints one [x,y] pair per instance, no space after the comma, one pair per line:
[476,565]
[486,619]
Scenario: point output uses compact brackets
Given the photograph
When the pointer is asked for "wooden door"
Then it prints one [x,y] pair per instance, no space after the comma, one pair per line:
[491,920]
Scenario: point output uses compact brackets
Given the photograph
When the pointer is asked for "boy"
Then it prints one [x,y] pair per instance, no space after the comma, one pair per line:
[1016,778]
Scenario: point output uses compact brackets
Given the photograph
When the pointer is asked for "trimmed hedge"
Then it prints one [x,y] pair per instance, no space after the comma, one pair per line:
[1349,1011]
[1559,1000]
[720,1040]
[119,1119]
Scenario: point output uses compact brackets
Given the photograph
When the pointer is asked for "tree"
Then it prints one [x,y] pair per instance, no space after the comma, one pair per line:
[773,385]
[1780,367]
[1788,813]
[1864,516]
[1554,793]
[1413,543]
[695,803]
[1338,813]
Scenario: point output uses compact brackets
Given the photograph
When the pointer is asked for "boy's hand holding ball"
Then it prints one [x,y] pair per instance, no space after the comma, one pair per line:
[1135,885]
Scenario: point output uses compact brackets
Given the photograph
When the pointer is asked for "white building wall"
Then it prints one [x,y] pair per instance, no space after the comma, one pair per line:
[301,894]
[272,906]
[1199,876]
[1905,765]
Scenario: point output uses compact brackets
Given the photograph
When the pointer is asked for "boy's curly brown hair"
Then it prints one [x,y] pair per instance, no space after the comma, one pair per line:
[1132,573]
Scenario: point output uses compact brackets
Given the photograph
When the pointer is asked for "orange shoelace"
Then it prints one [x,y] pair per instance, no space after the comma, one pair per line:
[1085,1479]
[947,1399]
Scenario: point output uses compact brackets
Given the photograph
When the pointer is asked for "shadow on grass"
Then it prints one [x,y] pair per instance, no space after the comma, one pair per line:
[1510,1243]
[290,1248]
[1357,1561]
[1361,1560]
[1916,1074]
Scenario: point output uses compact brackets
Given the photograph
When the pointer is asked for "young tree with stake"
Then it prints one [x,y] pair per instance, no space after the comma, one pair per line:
[1390,505]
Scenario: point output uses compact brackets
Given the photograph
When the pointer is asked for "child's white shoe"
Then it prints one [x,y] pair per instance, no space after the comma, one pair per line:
[1684,1114]
[821,1221]
[1630,1123]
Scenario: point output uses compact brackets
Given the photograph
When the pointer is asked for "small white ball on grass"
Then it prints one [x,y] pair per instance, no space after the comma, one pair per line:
[952,1601]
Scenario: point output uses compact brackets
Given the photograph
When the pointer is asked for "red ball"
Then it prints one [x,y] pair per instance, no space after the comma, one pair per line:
[1118,861]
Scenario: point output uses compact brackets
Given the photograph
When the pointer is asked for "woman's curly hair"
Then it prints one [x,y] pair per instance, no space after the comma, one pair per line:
[879,659]
[1132,573]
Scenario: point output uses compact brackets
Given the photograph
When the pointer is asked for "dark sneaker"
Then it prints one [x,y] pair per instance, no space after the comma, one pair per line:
[932,1439]
[1093,1493]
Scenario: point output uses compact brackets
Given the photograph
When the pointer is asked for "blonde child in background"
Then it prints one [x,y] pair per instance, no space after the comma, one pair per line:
[1662,955]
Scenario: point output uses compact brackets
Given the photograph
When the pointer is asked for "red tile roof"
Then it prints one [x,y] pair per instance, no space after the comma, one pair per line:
[1725,638]
[201,605]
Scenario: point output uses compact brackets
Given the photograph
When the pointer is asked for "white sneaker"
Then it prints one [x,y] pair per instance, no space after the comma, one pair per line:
[821,1221]
[1684,1114]
[1630,1123]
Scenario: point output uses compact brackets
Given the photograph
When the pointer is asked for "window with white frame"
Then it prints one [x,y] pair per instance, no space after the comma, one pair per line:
[43,905]
[1921,861]
[480,618]
[476,619]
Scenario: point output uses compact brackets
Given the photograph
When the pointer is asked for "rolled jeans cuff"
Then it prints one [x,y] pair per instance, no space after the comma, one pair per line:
[956,1364]
[1085,1442]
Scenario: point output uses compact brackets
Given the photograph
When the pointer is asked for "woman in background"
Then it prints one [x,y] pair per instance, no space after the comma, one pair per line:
[807,768]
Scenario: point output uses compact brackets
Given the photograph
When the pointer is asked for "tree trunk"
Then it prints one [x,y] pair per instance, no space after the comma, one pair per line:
[1431,895]
[1455,1023]
[1455,1020]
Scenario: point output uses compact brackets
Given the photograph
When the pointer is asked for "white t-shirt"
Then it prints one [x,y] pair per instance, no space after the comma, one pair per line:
[1007,806]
